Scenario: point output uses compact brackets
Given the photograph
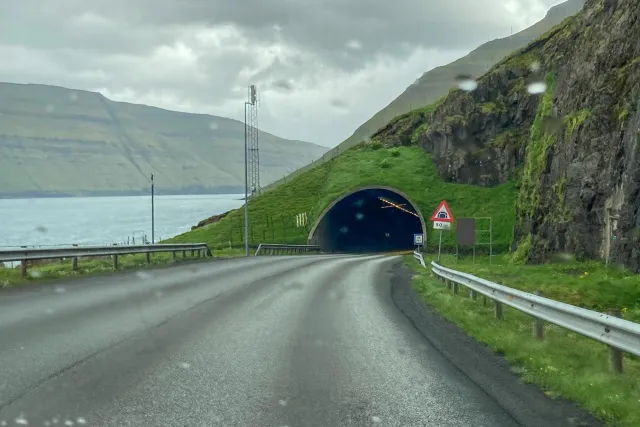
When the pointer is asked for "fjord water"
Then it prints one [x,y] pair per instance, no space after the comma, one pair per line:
[104,220]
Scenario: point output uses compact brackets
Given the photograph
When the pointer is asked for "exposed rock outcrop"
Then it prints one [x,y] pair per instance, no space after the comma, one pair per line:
[573,148]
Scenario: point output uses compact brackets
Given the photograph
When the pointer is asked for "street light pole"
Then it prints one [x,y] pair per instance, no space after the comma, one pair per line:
[152,214]
[246,184]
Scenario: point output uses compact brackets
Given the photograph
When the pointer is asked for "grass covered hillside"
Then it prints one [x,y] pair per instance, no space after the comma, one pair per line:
[409,169]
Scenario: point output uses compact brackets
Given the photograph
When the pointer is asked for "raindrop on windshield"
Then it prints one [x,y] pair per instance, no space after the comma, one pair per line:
[73,96]
[213,126]
[185,365]
[535,66]
[41,229]
[359,216]
[60,290]
[21,420]
[376,419]
[282,402]
[536,88]
[144,275]
[35,273]
[466,82]
[49,108]
[344,229]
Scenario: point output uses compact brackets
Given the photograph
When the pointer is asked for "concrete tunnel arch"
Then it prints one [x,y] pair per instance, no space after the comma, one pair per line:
[376,231]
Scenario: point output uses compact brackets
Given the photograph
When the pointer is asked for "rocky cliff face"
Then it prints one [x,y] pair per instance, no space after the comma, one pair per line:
[572,148]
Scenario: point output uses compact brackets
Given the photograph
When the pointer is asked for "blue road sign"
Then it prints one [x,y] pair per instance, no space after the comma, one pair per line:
[418,239]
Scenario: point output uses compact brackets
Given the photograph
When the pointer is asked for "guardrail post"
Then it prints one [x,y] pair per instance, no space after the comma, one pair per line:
[175,255]
[538,324]
[74,263]
[115,262]
[197,253]
[498,310]
[23,268]
[473,294]
[615,355]
[455,288]
[192,252]
[184,254]
[148,254]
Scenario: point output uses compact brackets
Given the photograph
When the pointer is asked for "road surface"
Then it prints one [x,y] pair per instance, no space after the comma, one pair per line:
[268,341]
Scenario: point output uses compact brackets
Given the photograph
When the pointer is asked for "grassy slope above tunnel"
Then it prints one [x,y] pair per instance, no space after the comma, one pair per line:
[272,216]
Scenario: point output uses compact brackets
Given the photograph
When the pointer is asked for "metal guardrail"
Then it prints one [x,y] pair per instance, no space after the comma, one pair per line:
[279,249]
[417,255]
[75,252]
[618,334]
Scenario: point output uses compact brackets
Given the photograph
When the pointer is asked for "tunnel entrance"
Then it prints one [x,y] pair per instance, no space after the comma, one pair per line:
[368,220]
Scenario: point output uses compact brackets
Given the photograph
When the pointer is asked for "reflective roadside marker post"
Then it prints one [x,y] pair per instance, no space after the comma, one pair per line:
[442,219]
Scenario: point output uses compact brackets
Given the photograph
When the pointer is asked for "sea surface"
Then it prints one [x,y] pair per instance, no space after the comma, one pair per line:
[104,220]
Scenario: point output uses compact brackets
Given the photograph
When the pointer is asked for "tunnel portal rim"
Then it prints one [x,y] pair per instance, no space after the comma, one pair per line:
[365,188]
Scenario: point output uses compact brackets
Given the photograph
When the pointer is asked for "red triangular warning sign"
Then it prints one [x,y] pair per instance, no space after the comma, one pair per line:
[442,213]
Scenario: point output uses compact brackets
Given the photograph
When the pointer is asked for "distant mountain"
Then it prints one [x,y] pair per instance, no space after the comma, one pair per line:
[437,82]
[56,141]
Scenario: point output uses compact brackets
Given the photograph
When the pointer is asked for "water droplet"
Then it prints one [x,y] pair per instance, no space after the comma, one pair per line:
[535,66]
[282,402]
[359,216]
[536,88]
[376,419]
[73,96]
[344,229]
[68,423]
[35,273]
[466,82]
[47,423]
[49,108]
[213,126]
[41,229]
[54,420]
[185,365]
[21,420]
[81,420]
[3,423]
[48,311]
[159,294]
[144,275]
[60,290]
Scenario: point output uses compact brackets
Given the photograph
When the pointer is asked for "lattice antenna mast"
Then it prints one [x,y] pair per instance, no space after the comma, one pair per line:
[253,151]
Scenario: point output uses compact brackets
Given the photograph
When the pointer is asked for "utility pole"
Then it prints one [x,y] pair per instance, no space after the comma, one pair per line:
[152,213]
[251,157]
[246,184]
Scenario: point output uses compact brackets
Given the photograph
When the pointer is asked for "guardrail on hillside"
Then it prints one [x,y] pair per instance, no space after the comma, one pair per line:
[620,335]
[75,252]
[278,249]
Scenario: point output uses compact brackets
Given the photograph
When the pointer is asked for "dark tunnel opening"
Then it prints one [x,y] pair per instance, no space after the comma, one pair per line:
[368,221]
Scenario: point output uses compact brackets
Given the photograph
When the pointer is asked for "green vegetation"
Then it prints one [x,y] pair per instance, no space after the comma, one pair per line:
[539,144]
[408,169]
[10,277]
[564,364]
[60,141]
[572,121]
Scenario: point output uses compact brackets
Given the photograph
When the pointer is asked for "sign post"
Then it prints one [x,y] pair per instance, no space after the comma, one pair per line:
[442,219]
[418,240]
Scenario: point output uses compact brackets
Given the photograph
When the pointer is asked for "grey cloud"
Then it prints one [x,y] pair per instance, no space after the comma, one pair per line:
[324,26]
[158,50]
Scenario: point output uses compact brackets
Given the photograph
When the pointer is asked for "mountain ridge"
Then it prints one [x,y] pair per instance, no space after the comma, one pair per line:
[56,141]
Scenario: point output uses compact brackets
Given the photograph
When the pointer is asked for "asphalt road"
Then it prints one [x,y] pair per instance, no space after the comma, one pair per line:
[268,341]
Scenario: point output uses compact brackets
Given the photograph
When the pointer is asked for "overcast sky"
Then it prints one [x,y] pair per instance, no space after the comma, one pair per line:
[322,67]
